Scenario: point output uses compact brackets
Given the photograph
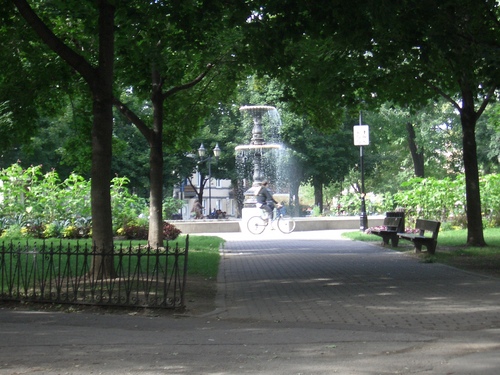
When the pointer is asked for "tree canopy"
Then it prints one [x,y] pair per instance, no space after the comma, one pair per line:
[332,59]
[362,53]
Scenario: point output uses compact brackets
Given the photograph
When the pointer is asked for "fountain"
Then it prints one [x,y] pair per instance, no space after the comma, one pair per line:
[264,156]
[256,150]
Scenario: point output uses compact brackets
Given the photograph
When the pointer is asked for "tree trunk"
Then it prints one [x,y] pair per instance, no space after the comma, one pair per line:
[238,196]
[318,193]
[296,175]
[417,154]
[294,199]
[475,236]
[102,130]
[199,191]
[102,231]
[155,234]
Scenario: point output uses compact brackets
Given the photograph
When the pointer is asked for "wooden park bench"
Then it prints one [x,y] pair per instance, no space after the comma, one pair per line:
[389,230]
[427,235]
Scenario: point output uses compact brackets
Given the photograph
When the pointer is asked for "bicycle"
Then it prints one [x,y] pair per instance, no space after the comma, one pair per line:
[257,224]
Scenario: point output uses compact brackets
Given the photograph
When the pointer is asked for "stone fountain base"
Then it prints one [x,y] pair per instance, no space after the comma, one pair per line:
[302,224]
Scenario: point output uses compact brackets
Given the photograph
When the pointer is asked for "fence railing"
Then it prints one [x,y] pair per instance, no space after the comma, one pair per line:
[134,276]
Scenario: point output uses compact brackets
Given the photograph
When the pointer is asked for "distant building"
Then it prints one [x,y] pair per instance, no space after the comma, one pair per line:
[219,196]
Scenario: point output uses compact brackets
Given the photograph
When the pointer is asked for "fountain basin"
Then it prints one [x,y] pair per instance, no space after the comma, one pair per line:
[258,147]
[257,108]
[302,224]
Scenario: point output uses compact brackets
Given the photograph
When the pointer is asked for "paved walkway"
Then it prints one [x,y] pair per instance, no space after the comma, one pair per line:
[320,277]
[305,303]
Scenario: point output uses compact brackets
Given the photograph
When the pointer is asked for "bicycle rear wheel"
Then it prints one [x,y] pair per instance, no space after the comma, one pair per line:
[256,225]
[286,224]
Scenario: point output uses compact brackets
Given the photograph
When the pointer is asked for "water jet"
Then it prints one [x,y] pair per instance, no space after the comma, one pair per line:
[255,152]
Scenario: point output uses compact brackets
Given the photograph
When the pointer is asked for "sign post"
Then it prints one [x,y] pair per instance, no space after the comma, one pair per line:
[362,138]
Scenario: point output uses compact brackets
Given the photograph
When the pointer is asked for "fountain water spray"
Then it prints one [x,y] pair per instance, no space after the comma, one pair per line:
[256,149]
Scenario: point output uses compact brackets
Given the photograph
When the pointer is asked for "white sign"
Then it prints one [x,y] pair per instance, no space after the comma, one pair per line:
[361,135]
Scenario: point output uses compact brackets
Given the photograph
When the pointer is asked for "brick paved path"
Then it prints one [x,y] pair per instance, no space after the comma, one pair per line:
[318,277]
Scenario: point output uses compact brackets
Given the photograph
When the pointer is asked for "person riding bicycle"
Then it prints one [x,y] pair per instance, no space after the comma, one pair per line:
[265,198]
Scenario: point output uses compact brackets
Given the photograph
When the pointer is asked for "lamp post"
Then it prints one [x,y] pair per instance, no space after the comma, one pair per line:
[362,138]
[201,153]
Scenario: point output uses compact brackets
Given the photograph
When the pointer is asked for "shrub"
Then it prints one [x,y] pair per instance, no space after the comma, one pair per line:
[84,226]
[35,230]
[70,232]
[133,231]
[170,231]
[171,206]
[15,232]
[316,211]
[52,230]
[76,231]
[126,207]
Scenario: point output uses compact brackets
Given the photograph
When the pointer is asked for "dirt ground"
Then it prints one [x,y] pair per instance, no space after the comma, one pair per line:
[200,295]
[200,299]
[488,265]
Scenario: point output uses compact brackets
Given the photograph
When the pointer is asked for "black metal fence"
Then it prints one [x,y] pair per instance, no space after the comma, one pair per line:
[134,276]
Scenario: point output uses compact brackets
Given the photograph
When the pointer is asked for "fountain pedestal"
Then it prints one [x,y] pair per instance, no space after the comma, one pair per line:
[257,146]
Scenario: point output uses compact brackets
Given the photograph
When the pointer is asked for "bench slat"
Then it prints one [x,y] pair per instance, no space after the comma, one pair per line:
[429,226]
[392,221]
[390,233]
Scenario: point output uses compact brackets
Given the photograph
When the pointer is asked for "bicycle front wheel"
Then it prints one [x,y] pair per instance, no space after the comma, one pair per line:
[256,225]
[286,224]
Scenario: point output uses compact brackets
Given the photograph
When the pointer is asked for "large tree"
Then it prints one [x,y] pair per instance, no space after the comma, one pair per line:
[190,62]
[162,49]
[431,133]
[98,74]
[450,49]
[325,155]
[154,137]
[408,51]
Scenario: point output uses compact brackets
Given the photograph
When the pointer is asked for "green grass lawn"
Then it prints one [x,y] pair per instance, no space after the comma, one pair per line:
[451,250]
[203,256]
